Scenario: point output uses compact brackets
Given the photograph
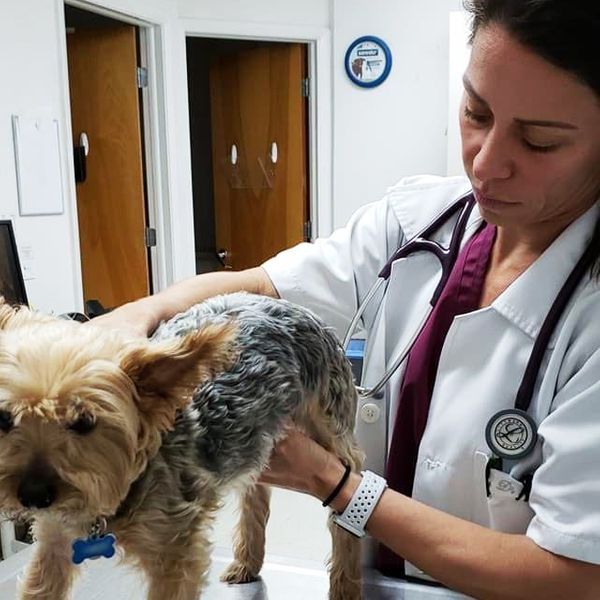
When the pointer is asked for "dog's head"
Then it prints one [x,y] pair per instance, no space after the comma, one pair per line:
[82,409]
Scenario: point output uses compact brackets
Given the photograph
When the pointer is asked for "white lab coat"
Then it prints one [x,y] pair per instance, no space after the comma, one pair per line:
[481,366]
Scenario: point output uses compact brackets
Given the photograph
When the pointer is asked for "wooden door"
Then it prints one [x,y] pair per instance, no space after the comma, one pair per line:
[111,206]
[257,105]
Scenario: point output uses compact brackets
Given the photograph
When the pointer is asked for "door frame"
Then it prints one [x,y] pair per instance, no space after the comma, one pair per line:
[166,123]
[320,123]
[156,165]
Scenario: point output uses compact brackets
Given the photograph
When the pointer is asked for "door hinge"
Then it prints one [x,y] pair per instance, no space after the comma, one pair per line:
[306,87]
[142,77]
[307,230]
[150,237]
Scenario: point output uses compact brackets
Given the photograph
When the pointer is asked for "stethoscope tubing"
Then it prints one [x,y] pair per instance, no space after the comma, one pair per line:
[377,390]
[419,243]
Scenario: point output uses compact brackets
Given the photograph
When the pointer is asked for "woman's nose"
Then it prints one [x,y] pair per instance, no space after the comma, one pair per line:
[493,159]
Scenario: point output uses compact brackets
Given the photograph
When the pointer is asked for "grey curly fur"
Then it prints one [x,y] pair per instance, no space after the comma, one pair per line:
[286,358]
[288,367]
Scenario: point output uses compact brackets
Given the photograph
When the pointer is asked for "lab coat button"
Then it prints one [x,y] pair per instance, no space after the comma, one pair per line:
[370,413]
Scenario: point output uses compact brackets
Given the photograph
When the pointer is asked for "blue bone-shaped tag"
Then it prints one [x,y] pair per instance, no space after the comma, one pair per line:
[93,547]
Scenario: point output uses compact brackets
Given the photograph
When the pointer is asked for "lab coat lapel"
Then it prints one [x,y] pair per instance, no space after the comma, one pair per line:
[528,299]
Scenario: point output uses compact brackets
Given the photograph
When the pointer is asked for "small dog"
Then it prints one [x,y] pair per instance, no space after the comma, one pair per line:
[103,436]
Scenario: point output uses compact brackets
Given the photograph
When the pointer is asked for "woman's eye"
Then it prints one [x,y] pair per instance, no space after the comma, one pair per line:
[540,147]
[479,118]
[85,423]
[6,421]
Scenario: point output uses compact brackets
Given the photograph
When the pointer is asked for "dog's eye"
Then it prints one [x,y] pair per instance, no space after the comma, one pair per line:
[84,424]
[6,421]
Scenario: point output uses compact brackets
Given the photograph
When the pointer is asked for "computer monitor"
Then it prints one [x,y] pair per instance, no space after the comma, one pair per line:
[12,286]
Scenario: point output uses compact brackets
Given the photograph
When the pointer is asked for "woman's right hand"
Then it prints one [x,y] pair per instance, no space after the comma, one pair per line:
[135,319]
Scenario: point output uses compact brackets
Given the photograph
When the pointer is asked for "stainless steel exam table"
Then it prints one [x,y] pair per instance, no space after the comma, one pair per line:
[106,579]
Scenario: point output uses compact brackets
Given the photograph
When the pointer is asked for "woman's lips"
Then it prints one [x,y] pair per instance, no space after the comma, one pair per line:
[490,203]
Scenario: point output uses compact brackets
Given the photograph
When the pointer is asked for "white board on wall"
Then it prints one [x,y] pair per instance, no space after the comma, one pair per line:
[37,159]
[458,54]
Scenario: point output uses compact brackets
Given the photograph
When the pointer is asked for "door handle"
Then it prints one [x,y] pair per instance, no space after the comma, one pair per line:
[223,256]
[80,154]
[274,153]
[84,142]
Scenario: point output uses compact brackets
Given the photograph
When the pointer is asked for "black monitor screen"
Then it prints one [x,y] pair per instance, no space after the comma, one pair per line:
[12,286]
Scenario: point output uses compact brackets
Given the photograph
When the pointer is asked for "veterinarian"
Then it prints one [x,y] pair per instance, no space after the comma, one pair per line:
[455,510]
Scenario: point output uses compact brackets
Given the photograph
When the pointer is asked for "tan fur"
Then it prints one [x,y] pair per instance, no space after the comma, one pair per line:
[249,542]
[133,389]
[51,373]
[179,574]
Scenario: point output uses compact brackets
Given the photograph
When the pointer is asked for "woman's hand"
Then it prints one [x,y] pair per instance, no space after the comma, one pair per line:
[299,463]
[134,319]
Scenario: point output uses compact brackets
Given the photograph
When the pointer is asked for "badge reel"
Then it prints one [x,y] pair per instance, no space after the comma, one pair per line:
[511,434]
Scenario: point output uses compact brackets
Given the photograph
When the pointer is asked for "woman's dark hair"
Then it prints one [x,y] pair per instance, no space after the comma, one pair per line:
[566,33]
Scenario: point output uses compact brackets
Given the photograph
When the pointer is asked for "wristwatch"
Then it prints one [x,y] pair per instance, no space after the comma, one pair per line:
[363,503]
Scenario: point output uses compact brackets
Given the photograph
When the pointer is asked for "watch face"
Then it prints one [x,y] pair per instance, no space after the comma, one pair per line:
[368,61]
[511,433]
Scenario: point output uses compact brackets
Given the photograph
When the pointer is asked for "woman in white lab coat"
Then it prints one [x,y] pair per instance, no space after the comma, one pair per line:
[530,124]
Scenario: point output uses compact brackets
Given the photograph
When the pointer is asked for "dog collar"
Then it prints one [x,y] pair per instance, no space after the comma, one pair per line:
[98,543]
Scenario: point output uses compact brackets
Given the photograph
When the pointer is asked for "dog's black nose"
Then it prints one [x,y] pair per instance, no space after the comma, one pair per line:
[36,492]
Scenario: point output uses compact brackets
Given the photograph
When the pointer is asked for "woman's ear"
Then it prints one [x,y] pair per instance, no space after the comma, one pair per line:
[166,373]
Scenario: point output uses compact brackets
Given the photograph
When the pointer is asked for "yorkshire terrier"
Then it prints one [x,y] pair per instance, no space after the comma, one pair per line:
[106,438]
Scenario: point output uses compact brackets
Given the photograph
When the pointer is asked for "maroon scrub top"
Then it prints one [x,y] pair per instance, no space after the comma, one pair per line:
[461,295]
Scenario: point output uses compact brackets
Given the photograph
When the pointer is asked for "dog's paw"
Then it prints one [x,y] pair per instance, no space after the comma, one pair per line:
[237,572]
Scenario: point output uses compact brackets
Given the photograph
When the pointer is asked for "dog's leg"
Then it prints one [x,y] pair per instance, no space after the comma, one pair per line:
[345,562]
[329,419]
[50,574]
[249,544]
[175,568]
[344,565]
[175,579]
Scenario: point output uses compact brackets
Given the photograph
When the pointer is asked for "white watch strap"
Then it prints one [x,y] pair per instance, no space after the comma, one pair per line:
[363,503]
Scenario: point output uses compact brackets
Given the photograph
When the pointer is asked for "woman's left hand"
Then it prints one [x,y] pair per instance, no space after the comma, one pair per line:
[301,464]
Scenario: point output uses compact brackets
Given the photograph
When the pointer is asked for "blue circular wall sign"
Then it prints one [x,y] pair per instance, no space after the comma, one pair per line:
[368,61]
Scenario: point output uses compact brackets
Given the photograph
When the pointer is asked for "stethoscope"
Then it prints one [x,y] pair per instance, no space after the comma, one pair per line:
[510,433]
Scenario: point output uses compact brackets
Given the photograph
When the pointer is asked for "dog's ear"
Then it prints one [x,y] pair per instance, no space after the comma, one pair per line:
[12,317]
[166,373]
[7,312]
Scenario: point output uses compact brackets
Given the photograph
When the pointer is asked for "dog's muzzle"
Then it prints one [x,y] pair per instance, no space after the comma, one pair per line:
[37,490]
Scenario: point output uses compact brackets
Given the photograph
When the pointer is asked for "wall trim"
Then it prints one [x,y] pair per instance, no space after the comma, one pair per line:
[320,113]
[154,26]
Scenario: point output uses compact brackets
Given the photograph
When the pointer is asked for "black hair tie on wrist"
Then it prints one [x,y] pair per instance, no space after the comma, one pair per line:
[338,487]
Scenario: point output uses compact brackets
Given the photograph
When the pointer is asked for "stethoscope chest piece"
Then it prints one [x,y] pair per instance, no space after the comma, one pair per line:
[511,434]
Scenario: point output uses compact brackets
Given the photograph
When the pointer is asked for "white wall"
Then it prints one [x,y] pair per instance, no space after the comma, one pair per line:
[378,135]
[34,83]
[460,53]
[381,134]
[285,12]
[398,128]
[31,76]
